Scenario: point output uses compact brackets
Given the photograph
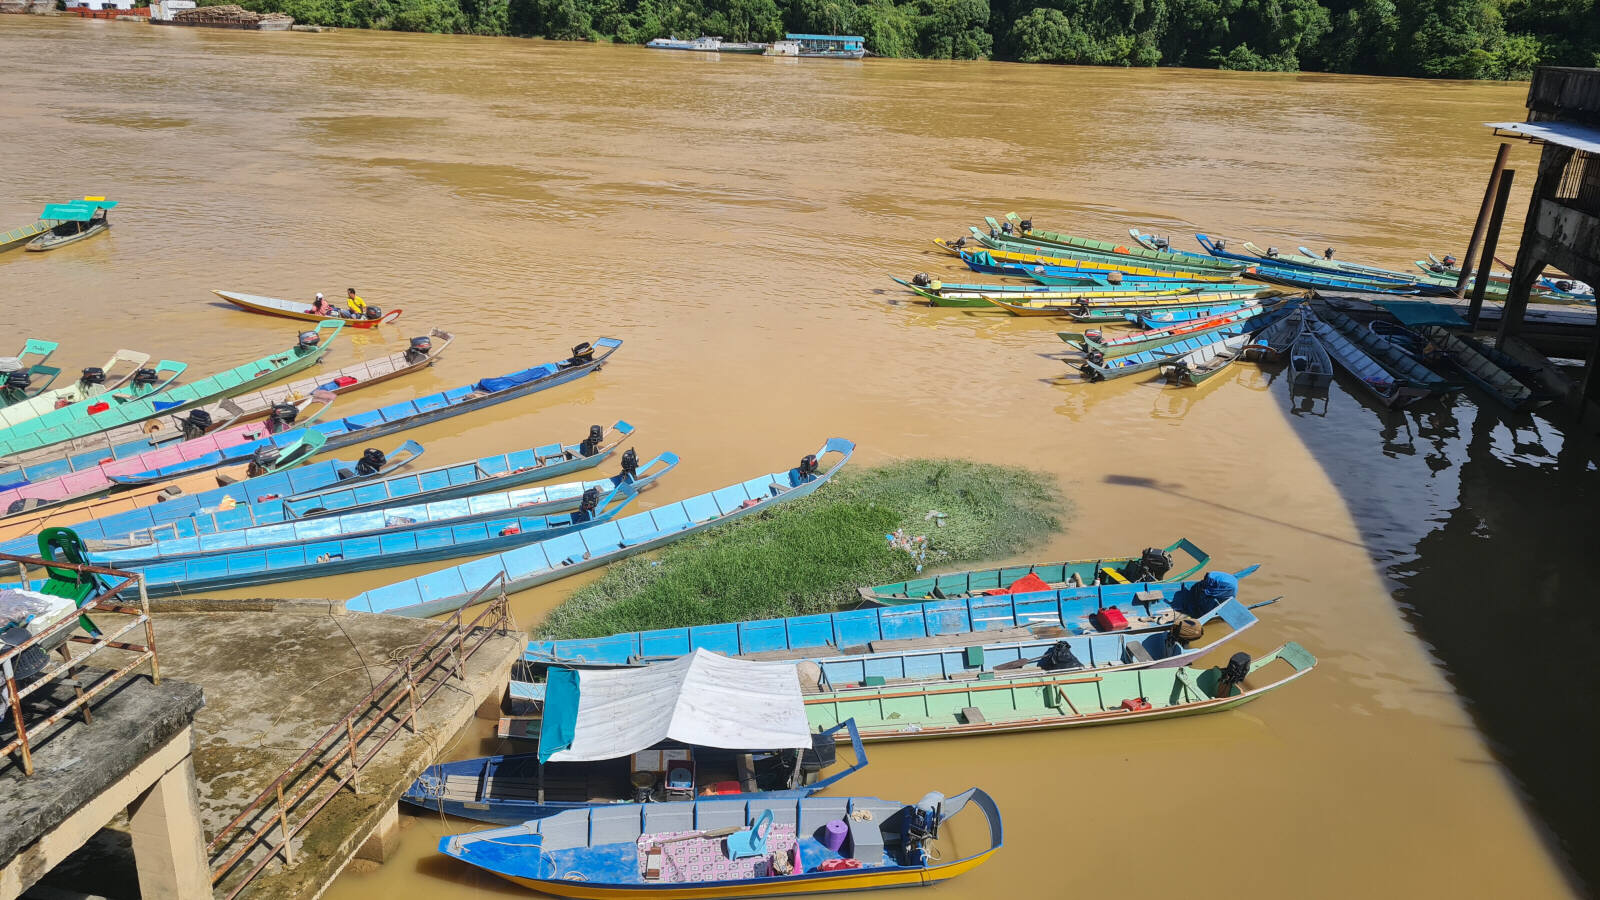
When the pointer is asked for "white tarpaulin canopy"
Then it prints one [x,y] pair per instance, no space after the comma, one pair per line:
[702,700]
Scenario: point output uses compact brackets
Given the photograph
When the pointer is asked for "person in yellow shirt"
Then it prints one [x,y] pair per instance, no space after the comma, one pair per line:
[356,306]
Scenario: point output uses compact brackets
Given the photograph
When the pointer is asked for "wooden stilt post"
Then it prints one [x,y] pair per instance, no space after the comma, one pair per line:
[1483,218]
[1486,267]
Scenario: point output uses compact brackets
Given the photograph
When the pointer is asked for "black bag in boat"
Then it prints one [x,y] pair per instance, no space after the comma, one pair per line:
[1059,656]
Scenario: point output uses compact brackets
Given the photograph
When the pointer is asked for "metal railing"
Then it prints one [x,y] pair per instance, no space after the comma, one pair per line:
[58,637]
[270,823]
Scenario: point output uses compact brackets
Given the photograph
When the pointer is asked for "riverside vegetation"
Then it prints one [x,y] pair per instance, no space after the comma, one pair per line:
[810,556]
[1435,38]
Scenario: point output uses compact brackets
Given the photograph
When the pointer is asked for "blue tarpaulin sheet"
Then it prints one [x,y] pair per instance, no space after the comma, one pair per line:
[1422,312]
[560,722]
[491,385]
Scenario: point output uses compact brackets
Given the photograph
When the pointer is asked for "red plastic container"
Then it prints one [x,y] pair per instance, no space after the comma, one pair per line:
[1136,704]
[1110,619]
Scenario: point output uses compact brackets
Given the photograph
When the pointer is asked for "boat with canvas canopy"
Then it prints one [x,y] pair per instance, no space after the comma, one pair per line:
[699,725]
[236,410]
[448,589]
[708,849]
[72,222]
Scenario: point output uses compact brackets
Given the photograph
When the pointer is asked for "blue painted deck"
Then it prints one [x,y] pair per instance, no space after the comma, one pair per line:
[549,560]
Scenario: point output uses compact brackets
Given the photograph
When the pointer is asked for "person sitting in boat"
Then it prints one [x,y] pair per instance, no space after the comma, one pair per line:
[354,305]
[322,307]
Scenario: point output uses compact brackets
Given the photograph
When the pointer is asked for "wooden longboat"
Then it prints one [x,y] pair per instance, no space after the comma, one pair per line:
[288,309]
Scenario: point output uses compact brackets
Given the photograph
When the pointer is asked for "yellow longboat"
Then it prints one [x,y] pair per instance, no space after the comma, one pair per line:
[710,849]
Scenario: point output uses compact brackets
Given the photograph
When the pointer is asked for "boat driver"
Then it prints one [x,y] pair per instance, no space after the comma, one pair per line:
[356,307]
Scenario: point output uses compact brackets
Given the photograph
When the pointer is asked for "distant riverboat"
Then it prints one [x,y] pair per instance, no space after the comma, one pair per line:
[820,46]
[707,45]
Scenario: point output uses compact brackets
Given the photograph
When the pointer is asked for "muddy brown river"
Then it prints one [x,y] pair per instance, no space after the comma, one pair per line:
[734,221]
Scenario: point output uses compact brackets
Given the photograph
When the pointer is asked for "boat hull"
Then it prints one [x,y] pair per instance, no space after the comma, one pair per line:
[49,241]
[256,304]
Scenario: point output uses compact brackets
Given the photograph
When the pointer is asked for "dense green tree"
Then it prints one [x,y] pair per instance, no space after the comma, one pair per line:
[1437,38]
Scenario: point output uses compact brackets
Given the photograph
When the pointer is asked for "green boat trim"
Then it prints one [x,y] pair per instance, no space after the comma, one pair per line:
[1034,702]
[1112,253]
[163,376]
[1118,249]
[1058,575]
[17,237]
[45,431]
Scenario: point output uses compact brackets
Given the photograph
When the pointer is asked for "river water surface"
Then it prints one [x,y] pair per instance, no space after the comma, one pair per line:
[734,220]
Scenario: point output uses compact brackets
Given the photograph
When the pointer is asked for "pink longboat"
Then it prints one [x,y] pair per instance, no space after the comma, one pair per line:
[90,482]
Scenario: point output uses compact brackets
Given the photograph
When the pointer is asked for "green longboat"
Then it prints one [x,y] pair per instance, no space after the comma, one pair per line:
[74,422]
[958,299]
[1035,702]
[1102,251]
[1108,248]
[1054,576]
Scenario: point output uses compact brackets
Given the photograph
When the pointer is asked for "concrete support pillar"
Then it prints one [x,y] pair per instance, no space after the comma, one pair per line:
[168,845]
[492,705]
[385,838]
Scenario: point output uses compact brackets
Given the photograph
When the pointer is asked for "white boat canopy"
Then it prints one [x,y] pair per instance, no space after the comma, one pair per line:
[701,700]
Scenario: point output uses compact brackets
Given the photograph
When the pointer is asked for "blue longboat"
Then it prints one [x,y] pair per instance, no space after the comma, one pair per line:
[526,567]
[586,359]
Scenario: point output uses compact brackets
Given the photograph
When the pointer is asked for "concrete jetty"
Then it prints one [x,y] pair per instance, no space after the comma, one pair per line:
[289,688]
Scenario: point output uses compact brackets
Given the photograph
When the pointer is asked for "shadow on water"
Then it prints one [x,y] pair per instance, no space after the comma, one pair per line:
[1480,520]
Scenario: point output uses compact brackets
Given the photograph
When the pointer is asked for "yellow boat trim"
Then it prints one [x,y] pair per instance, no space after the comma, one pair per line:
[1063,262]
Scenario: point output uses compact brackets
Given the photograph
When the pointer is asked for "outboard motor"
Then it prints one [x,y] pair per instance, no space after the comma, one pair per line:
[196,424]
[1449,261]
[1164,244]
[1059,656]
[146,377]
[921,279]
[1233,673]
[581,354]
[590,445]
[1565,286]
[1328,253]
[630,465]
[1005,227]
[921,826]
[17,380]
[281,417]
[374,312]
[993,233]
[808,466]
[260,460]
[1272,252]
[93,375]
[586,506]
[1222,244]
[419,349]
[1152,565]
[372,462]
[1027,225]
[960,242]
[307,343]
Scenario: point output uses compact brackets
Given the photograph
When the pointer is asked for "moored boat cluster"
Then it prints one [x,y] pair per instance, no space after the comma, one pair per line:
[1187,316]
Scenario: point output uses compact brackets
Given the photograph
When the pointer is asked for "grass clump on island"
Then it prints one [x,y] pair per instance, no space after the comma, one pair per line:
[810,555]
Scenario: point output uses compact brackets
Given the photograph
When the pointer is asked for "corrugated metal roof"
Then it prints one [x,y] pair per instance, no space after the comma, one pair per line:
[1566,134]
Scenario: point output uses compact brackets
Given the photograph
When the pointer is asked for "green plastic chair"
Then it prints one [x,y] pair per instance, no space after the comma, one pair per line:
[63,545]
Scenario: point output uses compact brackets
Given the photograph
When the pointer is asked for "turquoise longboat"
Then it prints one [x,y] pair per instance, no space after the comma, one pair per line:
[48,430]
[338,555]
[94,380]
[145,384]
[1067,610]
[1154,564]
[449,589]
[526,509]
[19,373]
[333,485]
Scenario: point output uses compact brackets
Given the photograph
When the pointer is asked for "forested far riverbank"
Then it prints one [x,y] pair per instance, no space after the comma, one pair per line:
[1502,39]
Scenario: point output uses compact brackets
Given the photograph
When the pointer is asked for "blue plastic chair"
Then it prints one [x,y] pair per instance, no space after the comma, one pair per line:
[752,842]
